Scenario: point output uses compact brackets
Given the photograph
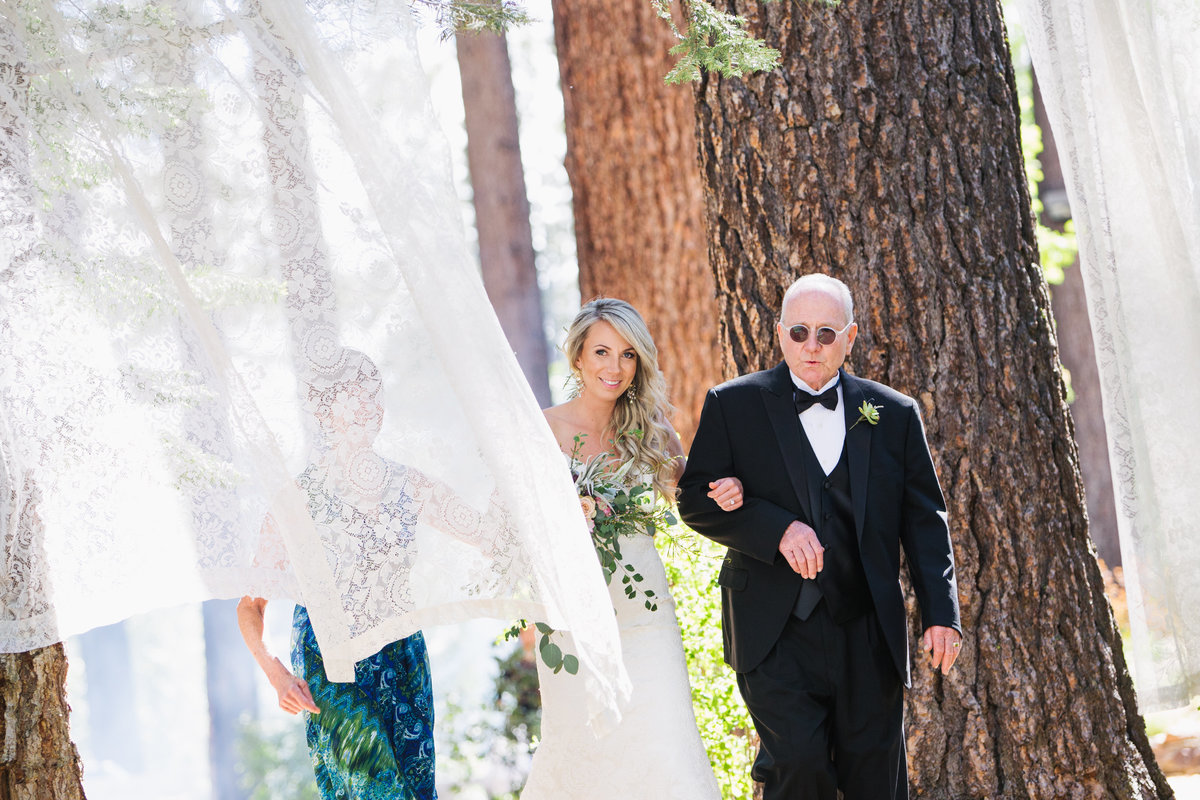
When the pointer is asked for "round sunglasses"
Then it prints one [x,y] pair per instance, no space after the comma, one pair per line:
[825,335]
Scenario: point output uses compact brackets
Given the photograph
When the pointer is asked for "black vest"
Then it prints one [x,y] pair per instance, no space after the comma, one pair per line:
[842,581]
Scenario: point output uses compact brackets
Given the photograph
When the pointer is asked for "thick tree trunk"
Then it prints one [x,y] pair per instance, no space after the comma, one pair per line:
[1078,353]
[631,159]
[37,759]
[501,202]
[885,151]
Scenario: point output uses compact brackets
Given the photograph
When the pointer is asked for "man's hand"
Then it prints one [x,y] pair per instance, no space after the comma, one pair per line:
[802,549]
[943,645]
[726,493]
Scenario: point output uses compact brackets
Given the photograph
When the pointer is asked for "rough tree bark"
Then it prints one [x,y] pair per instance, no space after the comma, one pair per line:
[38,760]
[1078,353]
[638,200]
[501,202]
[885,150]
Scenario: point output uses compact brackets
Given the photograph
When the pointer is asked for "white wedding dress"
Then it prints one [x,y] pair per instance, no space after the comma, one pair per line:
[655,753]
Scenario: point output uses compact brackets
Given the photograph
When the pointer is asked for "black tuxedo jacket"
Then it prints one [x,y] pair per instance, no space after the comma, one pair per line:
[749,429]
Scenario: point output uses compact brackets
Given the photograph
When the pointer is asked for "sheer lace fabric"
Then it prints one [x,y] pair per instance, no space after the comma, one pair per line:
[243,348]
[1119,78]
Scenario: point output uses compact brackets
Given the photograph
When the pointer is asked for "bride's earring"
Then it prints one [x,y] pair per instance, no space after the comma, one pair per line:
[574,384]
[631,393]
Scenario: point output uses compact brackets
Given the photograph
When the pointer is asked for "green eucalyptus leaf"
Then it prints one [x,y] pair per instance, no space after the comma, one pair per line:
[551,655]
[571,664]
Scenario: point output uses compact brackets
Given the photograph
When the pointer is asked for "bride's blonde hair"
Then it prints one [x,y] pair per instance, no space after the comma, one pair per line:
[643,407]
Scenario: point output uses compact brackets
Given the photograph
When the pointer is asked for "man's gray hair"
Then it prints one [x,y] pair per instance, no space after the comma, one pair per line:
[820,282]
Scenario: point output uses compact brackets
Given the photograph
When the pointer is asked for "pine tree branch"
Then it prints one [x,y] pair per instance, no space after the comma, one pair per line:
[716,41]
[470,16]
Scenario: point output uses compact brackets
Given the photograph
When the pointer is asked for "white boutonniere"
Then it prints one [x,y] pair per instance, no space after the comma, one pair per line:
[868,412]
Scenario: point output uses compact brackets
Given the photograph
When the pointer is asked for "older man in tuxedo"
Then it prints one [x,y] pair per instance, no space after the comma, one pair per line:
[837,477]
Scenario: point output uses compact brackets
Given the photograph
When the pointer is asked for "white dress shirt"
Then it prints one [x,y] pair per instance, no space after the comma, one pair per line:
[825,428]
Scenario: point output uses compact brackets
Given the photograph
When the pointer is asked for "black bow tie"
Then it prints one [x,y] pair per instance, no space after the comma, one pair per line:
[805,401]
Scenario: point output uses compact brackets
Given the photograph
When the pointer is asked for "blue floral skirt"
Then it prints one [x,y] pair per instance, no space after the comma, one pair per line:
[374,737]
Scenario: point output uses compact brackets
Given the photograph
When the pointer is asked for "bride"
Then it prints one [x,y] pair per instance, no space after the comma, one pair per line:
[618,416]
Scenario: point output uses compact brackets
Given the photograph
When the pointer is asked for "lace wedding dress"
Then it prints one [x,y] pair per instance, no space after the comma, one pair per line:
[655,753]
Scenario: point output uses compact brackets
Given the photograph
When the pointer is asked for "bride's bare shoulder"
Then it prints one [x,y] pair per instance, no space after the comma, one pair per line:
[557,415]
[562,422]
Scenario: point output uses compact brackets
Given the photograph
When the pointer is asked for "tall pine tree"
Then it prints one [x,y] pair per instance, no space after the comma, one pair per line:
[501,203]
[631,159]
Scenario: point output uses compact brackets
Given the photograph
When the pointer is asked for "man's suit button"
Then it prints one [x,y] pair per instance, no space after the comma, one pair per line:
[828,514]
[828,484]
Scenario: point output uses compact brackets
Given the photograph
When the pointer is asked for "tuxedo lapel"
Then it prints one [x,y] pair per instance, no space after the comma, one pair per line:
[858,448]
[781,410]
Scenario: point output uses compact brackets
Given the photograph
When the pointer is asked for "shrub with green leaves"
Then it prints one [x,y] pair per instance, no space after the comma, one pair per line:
[274,762]
[721,715]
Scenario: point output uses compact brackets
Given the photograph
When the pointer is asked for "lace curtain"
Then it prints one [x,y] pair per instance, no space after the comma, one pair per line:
[1120,78]
[243,347]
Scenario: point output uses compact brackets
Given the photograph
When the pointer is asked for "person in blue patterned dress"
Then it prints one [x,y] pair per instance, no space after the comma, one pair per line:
[390,701]
[371,739]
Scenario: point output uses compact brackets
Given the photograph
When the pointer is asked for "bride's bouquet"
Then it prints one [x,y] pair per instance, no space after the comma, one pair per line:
[617,506]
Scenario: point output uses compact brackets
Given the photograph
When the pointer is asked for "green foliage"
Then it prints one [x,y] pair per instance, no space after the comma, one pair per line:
[1057,248]
[613,509]
[1066,373]
[869,413]
[715,41]
[721,715]
[464,16]
[489,746]
[552,655]
[514,631]
[276,765]
[518,697]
